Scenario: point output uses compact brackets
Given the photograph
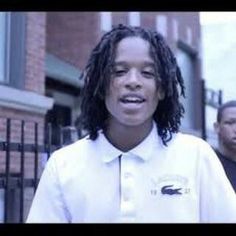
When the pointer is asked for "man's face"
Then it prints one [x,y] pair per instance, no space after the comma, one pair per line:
[226,128]
[133,94]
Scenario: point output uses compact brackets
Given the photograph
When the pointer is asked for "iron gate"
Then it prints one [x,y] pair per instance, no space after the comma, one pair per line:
[13,185]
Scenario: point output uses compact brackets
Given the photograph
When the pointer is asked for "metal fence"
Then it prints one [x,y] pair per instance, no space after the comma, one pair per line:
[13,185]
[212,98]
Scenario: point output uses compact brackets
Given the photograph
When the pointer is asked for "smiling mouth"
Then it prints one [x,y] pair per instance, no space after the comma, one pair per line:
[132,99]
[126,101]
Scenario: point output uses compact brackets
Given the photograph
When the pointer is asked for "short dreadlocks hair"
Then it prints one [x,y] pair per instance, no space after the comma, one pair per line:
[98,71]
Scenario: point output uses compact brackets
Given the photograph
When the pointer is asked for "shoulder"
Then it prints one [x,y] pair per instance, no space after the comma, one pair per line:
[74,153]
[79,145]
[193,145]
[189,140]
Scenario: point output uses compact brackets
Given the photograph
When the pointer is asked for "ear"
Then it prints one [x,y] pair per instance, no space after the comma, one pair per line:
[216,127]
[161,93]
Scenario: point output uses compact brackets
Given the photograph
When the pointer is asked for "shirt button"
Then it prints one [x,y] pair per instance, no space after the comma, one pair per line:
[127,175]
[126,198]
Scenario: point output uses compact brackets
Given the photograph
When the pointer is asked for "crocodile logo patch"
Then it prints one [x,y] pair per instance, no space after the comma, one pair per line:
[168,189]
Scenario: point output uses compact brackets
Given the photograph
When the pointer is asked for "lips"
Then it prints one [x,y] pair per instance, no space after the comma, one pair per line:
[132,98]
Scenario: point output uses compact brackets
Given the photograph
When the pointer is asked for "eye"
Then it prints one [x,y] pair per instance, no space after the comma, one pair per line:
[230,122]
[148,74]
[119,72]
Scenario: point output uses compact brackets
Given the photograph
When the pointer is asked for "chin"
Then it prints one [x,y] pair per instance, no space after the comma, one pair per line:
[133,122]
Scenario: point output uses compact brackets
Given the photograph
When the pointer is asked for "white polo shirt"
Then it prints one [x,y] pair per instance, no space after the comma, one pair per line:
[92,181]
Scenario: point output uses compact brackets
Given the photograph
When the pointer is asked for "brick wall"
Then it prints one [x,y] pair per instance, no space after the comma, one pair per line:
[35,52]
[148,19]
[35,82]
[72,35]
[119,18]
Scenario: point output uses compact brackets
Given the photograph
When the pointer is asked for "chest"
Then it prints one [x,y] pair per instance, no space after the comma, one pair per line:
[131,189]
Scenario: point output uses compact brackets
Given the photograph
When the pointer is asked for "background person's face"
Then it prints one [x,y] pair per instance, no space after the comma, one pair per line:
[226,128]
[132,96]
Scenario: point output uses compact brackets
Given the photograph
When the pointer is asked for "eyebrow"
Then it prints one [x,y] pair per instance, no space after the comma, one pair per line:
[123,63]
[230,119]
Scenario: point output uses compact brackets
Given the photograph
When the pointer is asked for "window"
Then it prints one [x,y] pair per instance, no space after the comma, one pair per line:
[4,46]
[134,18]
[12,48]
[17,49]
[106,21]
[161,25]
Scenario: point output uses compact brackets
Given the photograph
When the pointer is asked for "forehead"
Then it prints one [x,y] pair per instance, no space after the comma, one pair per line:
[133,48]
[229,113]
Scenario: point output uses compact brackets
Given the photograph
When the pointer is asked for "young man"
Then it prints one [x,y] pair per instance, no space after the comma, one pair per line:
[134,165]
[225,127]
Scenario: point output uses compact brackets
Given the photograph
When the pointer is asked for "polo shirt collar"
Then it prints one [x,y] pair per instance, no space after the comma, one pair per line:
[143,151]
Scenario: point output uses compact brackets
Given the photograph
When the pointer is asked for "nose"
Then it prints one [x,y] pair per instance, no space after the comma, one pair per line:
[133,80]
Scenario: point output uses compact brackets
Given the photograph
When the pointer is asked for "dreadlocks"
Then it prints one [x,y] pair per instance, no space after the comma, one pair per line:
[98,72]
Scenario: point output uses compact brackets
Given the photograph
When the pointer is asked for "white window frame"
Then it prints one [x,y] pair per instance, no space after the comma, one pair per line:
[106,21]
[161,25]
[134,18]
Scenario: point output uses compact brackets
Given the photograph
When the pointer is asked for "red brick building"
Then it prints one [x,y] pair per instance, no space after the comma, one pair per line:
[42,54]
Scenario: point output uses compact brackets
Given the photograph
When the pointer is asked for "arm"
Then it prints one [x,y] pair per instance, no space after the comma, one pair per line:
[48,205]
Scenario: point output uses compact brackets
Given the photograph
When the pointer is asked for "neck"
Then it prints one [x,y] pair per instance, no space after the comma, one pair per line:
[228,152]
[127,137]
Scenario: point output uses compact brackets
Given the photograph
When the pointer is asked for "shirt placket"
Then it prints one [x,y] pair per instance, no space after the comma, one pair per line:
[127,197]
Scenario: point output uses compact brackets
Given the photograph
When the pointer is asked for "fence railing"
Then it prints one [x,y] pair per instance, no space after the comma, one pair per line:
[12,182]
[209,97]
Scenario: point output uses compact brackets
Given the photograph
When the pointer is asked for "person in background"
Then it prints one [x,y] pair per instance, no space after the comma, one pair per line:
[134,165]
[225,127]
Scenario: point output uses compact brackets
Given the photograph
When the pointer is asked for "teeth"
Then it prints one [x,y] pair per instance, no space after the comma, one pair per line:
[132,99]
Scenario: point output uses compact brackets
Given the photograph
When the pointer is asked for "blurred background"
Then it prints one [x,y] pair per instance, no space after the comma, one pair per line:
[41,57]
[218,30]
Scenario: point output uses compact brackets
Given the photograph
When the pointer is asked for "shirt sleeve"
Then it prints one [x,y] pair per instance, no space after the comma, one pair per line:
[48,205]
[217,196]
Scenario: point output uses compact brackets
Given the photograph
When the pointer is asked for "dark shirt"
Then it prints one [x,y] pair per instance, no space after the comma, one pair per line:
[230,168]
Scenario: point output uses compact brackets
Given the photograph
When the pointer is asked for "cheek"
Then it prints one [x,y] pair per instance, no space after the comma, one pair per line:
[111,100]
[155,98]
[110,91]
[225,132]
[113,90]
